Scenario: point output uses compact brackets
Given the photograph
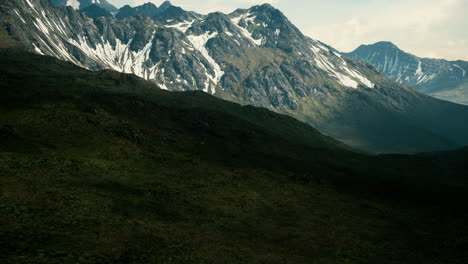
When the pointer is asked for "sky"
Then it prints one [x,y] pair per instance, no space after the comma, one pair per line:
[426,28]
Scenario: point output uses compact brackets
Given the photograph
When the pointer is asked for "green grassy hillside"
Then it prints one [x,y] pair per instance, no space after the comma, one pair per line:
[102,167]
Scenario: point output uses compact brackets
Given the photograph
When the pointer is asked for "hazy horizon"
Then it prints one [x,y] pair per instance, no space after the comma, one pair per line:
[432,29]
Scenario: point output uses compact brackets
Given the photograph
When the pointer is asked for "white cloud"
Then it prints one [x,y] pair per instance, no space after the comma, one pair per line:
[427,28]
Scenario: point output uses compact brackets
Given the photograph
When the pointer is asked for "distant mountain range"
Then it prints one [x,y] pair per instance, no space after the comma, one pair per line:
[447,80]
[82,4]
[102,8]
[251,56]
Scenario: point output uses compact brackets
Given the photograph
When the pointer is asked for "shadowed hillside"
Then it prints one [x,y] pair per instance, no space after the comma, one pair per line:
[103,167]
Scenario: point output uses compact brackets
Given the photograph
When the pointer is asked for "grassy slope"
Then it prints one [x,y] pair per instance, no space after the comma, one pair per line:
[105,168]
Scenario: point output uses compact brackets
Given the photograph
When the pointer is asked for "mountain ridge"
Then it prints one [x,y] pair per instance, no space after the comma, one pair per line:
[252,56]
[105,167]
[94,11]
[440,78]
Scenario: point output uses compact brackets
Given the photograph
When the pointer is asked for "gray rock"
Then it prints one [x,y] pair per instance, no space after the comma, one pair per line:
[447,80]
[252,56]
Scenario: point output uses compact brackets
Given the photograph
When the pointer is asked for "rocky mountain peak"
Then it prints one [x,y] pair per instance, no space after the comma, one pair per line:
[165,5]
[439,78]
[271,25]
[94,11]
[147,5]
[381,45]
[164,12]
[252,56]
[266,7]
[385,44]
[270,13]
[125,7]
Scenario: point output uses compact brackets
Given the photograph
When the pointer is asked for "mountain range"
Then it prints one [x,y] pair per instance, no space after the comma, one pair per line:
[82,4]
[251,56]
[447,80]
[105,167]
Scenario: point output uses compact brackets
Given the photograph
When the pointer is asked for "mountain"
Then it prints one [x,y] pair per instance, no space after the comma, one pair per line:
[94,11]
[147,9]
[165,11]
[104,167]
[254,57]
[442,79]
[82,4]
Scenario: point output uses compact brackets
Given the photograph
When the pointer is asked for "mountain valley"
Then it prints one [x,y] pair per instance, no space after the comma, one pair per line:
[253,57]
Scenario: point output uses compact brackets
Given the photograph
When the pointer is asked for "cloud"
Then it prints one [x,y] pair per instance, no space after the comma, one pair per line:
[426,28]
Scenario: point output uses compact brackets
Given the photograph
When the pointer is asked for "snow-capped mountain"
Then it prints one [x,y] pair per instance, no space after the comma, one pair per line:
[173,53]
[442,79]
[252,56]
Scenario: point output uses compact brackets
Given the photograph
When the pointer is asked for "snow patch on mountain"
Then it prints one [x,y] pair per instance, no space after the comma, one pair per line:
[119,57]
[421,77]
[20,17]
[248,17]
[343,73]
[38,50]
[41,26]
[30,4]
[182,26]
[390,63]
[199,43]
[463,70]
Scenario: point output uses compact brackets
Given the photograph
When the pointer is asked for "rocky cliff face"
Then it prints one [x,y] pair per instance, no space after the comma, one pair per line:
[443,79]
[252,56]
[164,12]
